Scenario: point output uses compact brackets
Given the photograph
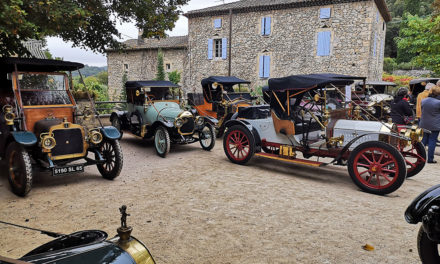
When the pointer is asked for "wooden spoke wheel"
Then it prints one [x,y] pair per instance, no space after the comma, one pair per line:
[162,141]
[207,137]
[377,167]
[111,152]
[415,158]
[239,144]
[20,174]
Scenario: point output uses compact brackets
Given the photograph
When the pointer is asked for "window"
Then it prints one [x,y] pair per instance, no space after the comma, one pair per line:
[325,13]
[218,23]
[324,39]
[168,66]
[377,16]
[217,48]
[375,44]
[264,66]
[266,26]
[125,67]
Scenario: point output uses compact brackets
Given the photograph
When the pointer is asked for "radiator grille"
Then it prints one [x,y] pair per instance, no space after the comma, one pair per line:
[188,127]
[68,141]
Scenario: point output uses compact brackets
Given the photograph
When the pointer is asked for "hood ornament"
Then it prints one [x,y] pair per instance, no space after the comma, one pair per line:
[124,231]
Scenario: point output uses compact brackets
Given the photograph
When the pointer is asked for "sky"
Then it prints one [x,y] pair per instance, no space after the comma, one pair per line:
[62,49]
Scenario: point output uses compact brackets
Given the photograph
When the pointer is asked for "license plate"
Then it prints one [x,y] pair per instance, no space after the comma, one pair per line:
[67,170]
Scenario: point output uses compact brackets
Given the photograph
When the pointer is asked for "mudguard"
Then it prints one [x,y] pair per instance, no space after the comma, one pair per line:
[249,126]
[24,138]
[122,116]
[420,205]
[110,132]
[211,120]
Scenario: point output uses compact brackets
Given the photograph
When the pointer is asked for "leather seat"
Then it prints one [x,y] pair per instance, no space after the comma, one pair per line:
[286,127]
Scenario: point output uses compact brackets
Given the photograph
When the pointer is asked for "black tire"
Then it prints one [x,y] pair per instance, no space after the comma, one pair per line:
[420,149]
[428,249]
[377,159]
[111,151]
[162,142]
[207,137]
[116,122]
[238,154]
[20,174]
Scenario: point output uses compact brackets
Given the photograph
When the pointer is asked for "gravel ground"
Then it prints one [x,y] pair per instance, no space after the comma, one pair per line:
[197,207]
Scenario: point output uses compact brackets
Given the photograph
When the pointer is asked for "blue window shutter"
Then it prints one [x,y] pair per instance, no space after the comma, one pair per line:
[266,72]
[325,13]
[224,48]
[323,48]
[375,44]
[377,17]
[218,23]
[261,66]
[210,44]
[263,26]
[267,25]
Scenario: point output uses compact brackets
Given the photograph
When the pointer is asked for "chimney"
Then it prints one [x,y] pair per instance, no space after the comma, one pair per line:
[140,39]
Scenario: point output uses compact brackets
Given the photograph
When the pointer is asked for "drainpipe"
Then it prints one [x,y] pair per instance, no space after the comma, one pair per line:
[230,42]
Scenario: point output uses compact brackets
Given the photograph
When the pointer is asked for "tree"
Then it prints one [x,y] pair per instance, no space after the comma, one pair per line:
[174,77]
[88,24]
[160,74]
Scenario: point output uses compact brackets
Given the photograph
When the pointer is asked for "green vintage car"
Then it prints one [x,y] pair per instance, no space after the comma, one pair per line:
[154,111]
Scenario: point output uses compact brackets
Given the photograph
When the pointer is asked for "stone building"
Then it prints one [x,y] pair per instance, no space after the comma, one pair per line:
[139,60]
[259,39]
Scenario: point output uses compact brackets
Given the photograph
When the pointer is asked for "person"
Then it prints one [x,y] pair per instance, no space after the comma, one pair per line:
[400,108]
[430,120]
[422,96]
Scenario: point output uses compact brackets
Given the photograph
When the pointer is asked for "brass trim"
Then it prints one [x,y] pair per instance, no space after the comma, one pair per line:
[136,250]
[70,156]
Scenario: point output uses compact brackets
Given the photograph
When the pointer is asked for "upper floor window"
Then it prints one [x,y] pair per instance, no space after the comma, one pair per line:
[125,67]
[266,26]
[217,23]
[217,48]
[324,41]
[325,13]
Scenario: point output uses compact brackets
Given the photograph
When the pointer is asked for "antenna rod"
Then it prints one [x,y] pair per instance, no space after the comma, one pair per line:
[49,233]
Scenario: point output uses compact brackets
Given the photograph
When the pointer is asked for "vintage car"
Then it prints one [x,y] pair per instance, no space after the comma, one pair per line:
[377,99]
[426,209]
[87,247]
[379,158]
[42,127]
[222,97]
[153,111]
[417,86]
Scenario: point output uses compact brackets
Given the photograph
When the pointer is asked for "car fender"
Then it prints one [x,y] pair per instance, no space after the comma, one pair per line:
[247,125]
[421,204]
[110,132]
[211,120]
[122,116]
[24,138]
[151,129]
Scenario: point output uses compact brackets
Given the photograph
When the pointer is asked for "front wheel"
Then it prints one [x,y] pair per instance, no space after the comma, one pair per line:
[428,249]
[162,141]
[239,144]
[415,158]
[19,169]
[207,137]
[111,152]
[377,167]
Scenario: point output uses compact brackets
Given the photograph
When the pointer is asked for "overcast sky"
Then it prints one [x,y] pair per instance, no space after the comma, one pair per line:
[59,48]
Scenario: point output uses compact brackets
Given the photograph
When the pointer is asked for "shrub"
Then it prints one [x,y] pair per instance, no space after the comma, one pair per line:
[389,64]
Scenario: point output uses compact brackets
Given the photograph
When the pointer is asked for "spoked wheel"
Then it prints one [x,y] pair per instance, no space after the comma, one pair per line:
[377,167]
[239,144]
[116,123]
[112,154]
[270,149]
[19,169]
[415,158]
[207,137]
[428,249]
[162,141]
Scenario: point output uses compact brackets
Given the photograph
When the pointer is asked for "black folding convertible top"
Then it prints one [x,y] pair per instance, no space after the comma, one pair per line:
[223,80]
[156,84]
[417,81]
[37,65]
[310,80]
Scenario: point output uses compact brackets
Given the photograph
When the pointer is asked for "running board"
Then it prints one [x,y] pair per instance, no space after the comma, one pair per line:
[296,161]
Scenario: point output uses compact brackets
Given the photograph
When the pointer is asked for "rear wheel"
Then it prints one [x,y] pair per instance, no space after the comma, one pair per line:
[415,158]
[377,167]
[111,151]
[428,249]
[239,144]
[207,137]
[162,141]
[19,169]
[116,123]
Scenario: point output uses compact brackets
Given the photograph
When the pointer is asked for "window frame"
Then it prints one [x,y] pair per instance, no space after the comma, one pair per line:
[217,48]
[266,32]
[214,23]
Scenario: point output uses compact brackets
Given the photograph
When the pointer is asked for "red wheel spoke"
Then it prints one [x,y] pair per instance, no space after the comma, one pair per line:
[364,172]
[378,180]
[410,163]
[365,157]
[381,157]
[390,171]
[363,165]
[388,179]
[387,163]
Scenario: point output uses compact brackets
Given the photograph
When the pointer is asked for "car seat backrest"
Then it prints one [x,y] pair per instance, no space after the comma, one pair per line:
[286,127]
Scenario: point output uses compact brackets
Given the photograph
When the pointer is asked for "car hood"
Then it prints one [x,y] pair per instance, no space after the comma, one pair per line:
[169,110]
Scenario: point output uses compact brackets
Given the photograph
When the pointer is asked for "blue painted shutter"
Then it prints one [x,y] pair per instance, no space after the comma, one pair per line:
[266,72]
[218,23]
[325,13]
[210,44]
[381,49]
[263,25]
[324,38]
[224,48]
[267,26]
[377,17]
[375,44]
[261,66]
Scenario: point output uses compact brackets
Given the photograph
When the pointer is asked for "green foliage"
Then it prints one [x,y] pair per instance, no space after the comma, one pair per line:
[389,64]
[417,37]
[90,70]
[160,74]
[174,77]
[102,77]
[87,24]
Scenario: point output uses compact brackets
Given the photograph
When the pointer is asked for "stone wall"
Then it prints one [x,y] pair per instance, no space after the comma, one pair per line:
[292,45]
[414,73]
[142,65]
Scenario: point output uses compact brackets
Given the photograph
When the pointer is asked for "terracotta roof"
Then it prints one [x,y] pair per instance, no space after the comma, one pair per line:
[245,6]
[164,43]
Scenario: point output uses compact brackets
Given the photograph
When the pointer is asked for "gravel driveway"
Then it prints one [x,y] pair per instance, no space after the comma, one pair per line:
[197,207]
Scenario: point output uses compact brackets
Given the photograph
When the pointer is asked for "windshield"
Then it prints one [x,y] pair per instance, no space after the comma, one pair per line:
[43,89]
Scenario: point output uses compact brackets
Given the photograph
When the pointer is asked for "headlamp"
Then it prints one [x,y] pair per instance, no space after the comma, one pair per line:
[200,121]
[178,122]
[95,136]
[47,141]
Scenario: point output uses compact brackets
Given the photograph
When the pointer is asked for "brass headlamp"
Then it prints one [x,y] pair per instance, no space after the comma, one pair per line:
[95,136]
[9,115]
[178,122]
[47,141]
[200,120]
[414,133]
